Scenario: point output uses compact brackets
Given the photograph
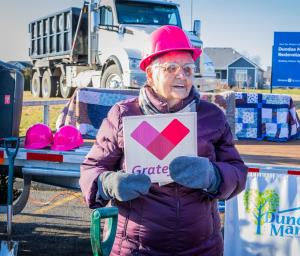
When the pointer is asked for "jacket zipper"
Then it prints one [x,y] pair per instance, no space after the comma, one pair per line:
[124,232]
[126,222]
[177,203]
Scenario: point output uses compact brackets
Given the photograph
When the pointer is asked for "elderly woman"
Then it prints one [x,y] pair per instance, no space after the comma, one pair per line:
[180,218]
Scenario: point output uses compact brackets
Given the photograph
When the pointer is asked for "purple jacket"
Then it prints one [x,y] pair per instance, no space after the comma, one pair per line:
[172,219]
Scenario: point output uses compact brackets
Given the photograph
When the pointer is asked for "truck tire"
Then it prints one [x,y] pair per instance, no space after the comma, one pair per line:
[20,202]
[36,85]
[64,90]
[112,77]
[48,85]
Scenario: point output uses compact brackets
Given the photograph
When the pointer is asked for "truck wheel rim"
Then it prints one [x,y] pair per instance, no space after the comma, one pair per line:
[63,86]
[46,91]
[35,86]
[45,86]
[114,81]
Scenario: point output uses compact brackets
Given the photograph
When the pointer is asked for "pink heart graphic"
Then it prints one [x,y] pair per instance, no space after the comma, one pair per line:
[160,144]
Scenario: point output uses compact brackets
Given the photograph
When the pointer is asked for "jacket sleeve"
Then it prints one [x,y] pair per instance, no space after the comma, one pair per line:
[104,155]
[232,169]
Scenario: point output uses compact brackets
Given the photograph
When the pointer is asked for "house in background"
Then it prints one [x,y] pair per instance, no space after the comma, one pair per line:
[21,65]
[235,69]
[25,67]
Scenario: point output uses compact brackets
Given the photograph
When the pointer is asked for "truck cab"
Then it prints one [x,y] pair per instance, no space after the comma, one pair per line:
[124,28]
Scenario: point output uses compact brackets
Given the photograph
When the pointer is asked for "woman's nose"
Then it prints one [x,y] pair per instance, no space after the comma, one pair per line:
[180,74]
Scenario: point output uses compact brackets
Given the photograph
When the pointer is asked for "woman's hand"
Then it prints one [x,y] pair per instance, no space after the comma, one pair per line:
[195,172]
[122,186]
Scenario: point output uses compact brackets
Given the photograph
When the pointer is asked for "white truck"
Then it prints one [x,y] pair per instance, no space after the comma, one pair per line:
[101,45]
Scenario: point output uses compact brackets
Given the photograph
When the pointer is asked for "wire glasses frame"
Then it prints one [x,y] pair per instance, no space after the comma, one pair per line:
[173,68]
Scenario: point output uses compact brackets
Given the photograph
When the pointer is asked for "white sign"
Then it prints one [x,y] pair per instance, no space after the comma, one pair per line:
[265,218]
[151,142]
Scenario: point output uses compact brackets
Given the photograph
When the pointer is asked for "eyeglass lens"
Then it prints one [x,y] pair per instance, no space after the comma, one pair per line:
[174,68]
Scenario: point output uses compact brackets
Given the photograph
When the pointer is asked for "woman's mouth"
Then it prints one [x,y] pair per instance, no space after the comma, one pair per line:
[179,86]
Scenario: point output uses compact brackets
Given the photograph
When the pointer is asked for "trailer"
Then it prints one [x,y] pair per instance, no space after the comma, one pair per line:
[62,168]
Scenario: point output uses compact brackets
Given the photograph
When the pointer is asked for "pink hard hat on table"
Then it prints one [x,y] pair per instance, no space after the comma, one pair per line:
[38,136]
[165,39]
[67,138]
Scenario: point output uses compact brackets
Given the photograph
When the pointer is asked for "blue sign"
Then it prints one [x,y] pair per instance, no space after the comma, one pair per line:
[286,59]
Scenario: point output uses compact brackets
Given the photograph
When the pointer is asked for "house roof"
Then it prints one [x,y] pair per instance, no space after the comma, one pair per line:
[7,65]
[21,64]
[222,57]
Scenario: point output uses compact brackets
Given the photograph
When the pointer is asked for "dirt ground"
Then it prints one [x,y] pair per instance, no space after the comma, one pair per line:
[267,152]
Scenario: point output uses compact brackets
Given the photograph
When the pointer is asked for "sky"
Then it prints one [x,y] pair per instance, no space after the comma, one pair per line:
[248,26]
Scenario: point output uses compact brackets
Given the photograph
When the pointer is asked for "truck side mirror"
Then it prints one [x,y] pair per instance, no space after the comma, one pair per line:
[121,29]
[197,28]
[97,6]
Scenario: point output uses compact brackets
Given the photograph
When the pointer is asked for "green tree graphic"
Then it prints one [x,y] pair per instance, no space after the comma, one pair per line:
[260,203]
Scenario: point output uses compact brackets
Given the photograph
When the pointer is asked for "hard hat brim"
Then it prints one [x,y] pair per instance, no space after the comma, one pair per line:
[38,145]
[196,52]
[62,148]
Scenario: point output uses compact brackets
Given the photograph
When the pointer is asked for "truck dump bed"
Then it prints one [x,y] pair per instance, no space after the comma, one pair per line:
[53,35]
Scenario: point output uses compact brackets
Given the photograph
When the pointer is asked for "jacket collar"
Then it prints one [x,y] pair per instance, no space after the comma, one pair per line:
[161,104]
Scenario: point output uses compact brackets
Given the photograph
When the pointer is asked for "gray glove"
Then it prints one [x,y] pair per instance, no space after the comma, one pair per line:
[195,172]
[122,186]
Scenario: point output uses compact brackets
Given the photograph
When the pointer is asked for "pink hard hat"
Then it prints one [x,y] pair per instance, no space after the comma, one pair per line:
[165,39]
[67,138]
[38,136]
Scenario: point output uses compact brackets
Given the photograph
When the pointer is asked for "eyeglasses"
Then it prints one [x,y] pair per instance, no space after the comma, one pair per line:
[173,68]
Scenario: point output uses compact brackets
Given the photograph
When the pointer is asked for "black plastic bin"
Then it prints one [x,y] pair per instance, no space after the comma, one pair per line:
[11,99]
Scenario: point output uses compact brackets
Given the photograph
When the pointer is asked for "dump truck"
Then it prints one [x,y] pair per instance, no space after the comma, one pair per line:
[101,45]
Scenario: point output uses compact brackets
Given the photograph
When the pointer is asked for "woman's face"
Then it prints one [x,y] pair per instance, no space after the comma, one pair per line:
[171,76]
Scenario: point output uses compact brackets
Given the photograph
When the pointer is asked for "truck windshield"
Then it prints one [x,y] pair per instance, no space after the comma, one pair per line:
[134,12]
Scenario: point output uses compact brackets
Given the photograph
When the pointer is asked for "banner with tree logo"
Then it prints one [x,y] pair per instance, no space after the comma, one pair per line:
[265,218]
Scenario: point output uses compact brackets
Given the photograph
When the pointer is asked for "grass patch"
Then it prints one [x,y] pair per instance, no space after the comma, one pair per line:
[34,114]
[290,92]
